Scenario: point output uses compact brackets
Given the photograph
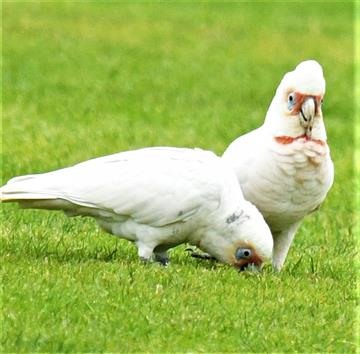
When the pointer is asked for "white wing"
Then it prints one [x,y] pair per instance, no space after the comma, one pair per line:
[155,186]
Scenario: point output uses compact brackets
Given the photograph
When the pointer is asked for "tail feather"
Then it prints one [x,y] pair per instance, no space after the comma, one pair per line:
[29,187]
[24,191]
[19,196]
[24,188]
[37,192]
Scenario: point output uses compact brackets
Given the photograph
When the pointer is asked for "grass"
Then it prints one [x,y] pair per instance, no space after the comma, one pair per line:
[88,79]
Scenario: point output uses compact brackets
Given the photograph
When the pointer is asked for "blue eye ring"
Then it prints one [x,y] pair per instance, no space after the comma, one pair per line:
[291,101]
[243,253]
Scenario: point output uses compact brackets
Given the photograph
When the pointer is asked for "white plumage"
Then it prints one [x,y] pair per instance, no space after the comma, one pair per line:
[284,167]
[157,198]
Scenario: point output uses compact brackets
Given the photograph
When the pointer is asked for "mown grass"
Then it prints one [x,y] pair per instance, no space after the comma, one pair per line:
[88,79]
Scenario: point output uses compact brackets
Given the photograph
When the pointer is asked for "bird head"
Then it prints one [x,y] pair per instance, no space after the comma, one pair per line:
[245,240]
[253,242]
[296,108]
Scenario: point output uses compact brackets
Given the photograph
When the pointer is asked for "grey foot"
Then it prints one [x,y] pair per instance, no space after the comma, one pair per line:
[162,258]
[156,258]
[145,260]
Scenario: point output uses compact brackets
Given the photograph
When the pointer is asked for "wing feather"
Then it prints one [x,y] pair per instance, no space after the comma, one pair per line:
[154,186]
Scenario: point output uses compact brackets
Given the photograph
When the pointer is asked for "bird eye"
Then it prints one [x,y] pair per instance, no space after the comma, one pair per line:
[321,101]
[291,101]
[243,253]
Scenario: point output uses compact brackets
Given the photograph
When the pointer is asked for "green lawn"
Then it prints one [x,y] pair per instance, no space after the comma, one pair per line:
[87,79]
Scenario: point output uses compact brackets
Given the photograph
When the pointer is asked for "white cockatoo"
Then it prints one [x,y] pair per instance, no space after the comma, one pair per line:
[158,198]
[284,167]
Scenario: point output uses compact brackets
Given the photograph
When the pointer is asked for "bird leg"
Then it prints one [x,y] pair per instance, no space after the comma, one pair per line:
[282,242]
[145,252]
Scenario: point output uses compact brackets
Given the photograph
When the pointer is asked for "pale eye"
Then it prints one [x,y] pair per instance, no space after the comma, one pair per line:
[291,101]
[243,253]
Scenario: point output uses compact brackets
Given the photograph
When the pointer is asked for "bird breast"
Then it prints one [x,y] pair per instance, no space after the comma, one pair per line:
[290,180]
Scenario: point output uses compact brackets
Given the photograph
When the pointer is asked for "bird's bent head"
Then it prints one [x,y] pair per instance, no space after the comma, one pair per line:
[254,243]
[296,107]
[246,239]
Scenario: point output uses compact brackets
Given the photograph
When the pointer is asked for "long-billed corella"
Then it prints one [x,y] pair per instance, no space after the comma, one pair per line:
[158,198]
[284,167]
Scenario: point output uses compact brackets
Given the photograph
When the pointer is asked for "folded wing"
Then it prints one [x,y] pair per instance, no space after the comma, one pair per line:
[154,186]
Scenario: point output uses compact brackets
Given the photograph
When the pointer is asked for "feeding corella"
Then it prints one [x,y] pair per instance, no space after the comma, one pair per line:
[158,198]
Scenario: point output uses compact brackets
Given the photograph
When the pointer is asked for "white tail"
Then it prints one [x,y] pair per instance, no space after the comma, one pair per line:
[24,188]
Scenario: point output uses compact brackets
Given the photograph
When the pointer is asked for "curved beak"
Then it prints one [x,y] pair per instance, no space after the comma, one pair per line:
[251,267]
[254,264]
[307,113]
[308,109]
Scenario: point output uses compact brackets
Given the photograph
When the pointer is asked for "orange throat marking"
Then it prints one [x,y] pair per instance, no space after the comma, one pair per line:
[286,140]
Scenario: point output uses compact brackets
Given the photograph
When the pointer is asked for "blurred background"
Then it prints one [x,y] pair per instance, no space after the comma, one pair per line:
[115,76]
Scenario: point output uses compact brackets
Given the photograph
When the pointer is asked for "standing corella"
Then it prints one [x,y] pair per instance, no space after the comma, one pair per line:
[158,198]
[284,167]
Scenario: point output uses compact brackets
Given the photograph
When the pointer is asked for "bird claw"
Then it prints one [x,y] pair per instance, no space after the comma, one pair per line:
[156,259]
[250,268]
[163,260]
[144,259]
[198,255]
